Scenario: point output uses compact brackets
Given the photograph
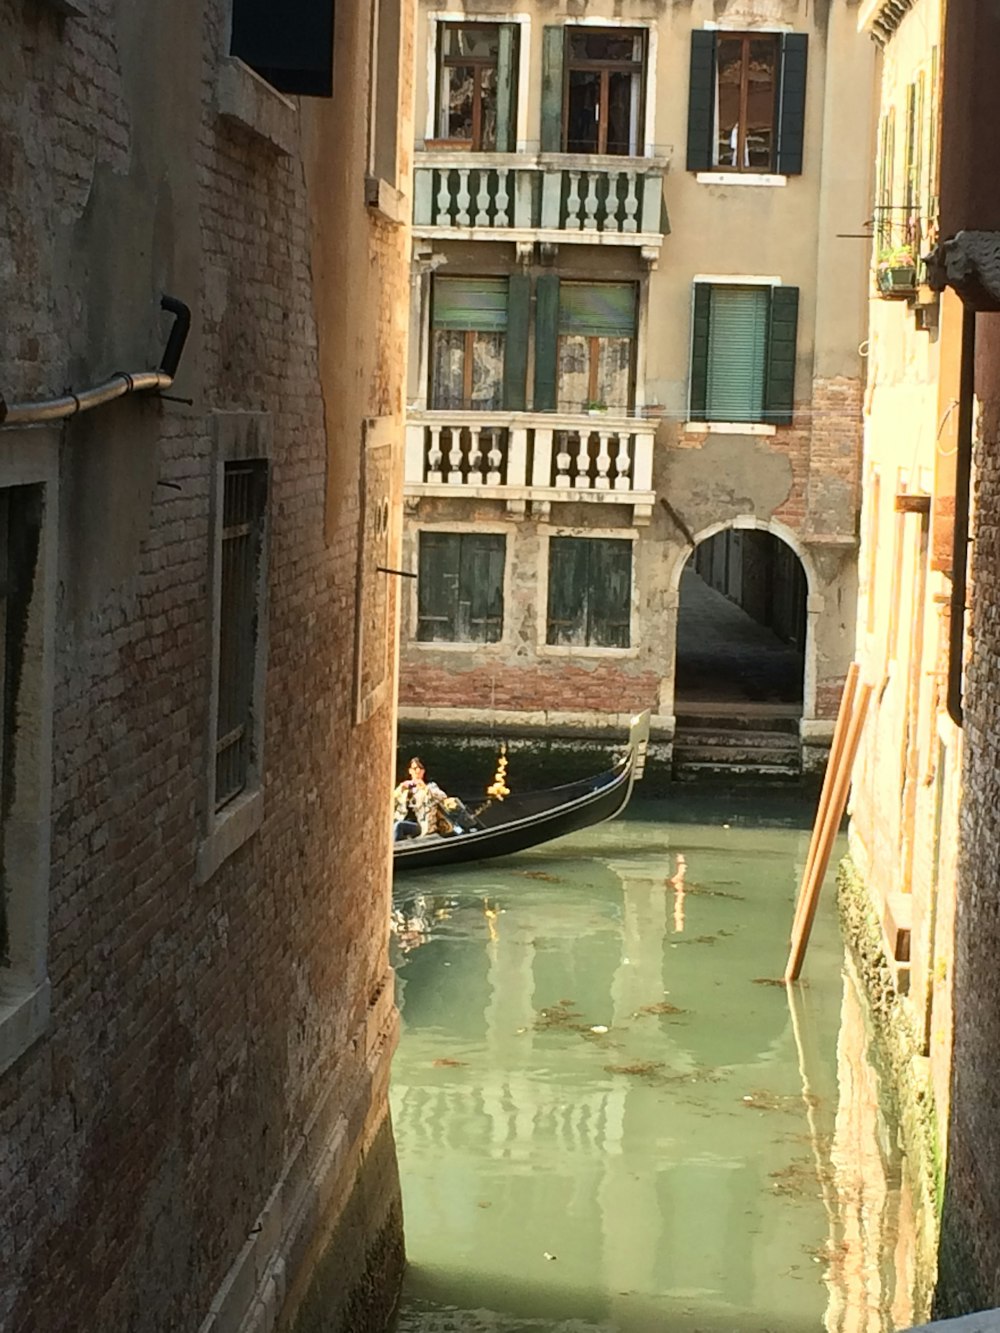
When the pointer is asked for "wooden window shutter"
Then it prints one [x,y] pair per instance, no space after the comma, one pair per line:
[598,309]
[553,43]
[438,586]
[569,577]
[701,103]
[515,360]
[481,589]
[737,353]
[610,596]
[792,103]
[546,337]
[290,45]
[506,84]
[779,395]
[701,315]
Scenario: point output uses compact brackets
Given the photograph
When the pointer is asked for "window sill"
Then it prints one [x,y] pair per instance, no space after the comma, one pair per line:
[572,650]
[739,178]
[384,199]
[233,827]
[728,428]
[250,101]
[24,1016]
[465,646]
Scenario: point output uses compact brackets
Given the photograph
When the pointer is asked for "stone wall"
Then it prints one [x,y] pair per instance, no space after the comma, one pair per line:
[193,1116]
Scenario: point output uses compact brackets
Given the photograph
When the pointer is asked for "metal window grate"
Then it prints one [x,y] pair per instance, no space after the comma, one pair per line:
[243,509]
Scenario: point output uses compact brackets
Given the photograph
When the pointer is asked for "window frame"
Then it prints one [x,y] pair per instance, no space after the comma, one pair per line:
[472,533]
[605,68]
[745,38]
[563,650]
[520,25]
[478,64]
[594,343]
[413,537]
[239,437]
[31,458]
[772,418]
[468,355]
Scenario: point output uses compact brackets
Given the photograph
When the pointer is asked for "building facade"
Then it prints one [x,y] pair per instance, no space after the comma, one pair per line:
[636,327]
[196,1008]
[899,885]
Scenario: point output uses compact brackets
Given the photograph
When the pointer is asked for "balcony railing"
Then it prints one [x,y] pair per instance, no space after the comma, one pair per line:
[552,196]
[541,457]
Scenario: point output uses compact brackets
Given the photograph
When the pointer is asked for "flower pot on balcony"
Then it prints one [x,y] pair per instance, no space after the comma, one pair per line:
[897,280]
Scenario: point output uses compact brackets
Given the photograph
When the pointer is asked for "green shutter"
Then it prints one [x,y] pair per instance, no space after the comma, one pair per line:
[506,75]
[737,353]
[699,350]
[546,335]
[610,593]
[553,42]
[701,103]
[481,591]
[479,304]
[438,586]
[792,103]
[515,359]
[780,392]
[597,309]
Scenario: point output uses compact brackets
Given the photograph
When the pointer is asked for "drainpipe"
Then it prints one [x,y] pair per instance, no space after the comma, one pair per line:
[70,404]
[960,531]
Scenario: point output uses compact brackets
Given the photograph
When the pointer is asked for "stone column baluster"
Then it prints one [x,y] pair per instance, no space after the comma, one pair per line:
[500,217]
[494,458]
[474,471]
[483,199]
[434,456]
[443,218]
[463,198]
[603,461]
[623,468]
[456,477]
[573,202]
[590,203]
[564,459]
[631,203]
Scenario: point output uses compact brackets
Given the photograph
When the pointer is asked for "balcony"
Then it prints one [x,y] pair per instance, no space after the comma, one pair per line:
[553,197]
[542,457]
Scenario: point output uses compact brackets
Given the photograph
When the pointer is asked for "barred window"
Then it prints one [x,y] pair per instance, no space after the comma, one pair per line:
[244,508]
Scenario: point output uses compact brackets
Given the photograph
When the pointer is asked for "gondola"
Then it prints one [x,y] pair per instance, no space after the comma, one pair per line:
[531,818]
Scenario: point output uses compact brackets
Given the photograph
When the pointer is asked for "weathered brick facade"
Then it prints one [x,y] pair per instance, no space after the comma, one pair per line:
[200,1123]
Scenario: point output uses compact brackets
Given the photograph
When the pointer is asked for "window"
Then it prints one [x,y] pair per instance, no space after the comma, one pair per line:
[460,588]
[468,340]
[290,45]
[746,108]
[244,506]
[477,76]
[28,524]
[743,353]
[584,345]
[590,592]
[593,85]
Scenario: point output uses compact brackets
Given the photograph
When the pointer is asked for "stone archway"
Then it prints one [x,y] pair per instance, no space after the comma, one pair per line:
[745,620]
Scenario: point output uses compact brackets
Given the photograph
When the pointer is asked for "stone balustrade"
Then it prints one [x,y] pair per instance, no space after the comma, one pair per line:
[539,458]
[549,196]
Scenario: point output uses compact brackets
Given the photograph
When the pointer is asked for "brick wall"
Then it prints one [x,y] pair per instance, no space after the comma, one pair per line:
[196,1030]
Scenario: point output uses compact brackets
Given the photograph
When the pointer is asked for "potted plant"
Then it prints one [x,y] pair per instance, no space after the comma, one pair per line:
[896,272]
[595,407]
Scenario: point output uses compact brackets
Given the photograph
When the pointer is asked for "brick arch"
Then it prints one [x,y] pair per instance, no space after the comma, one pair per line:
[814,599]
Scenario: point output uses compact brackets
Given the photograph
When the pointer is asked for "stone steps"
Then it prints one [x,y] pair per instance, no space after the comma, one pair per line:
[708,746]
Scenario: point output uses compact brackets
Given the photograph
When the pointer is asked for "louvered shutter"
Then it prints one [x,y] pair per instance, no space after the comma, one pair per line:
[479,304]
[597,309]
[737,353]
[699,350]
[780,392]
[553,42]
[792,103]
[515,360]
[546,335]
[290,45]
[438,586]
[609,593]
[481,587]
[568,581]
[701,103]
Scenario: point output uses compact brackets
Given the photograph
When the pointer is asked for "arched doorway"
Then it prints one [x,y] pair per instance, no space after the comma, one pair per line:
[742,624]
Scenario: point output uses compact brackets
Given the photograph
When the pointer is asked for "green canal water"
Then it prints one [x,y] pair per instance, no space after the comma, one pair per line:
[611,1119]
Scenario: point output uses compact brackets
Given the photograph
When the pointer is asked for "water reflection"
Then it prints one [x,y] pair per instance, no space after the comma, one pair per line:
[608,1111]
